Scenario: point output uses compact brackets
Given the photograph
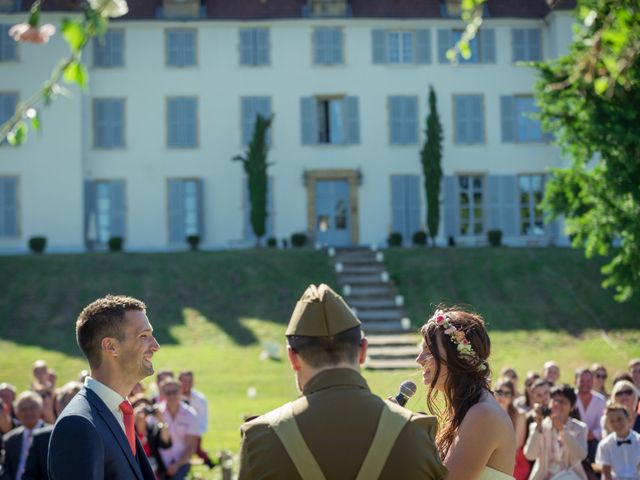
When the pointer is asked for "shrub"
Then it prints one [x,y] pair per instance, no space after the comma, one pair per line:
[494,237]
[115,244]
[420,238]
[37,244]
[395,239]
[272,242]
[193,241]
[299,239]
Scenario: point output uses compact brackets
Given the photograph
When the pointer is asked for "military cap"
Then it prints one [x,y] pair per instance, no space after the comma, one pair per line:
[321,312]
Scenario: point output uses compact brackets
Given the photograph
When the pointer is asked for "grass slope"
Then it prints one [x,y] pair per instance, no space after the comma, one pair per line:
[213,313]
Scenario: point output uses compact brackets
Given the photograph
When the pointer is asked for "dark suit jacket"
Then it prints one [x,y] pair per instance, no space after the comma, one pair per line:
[12,447]
[88,443]
[36,467]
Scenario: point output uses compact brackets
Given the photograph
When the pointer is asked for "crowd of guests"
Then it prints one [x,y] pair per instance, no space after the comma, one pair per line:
[170,421]
[580,431]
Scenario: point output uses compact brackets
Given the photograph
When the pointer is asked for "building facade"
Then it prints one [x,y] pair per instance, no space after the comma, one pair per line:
[146,151]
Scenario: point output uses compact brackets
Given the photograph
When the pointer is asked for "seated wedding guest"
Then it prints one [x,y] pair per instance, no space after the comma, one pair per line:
[619,452]
[551,372]
[41,379]
[8,420]
[183,426]
[18,440]
[504,392]
[512,375]
[524,403]
[156,391]
[590,405]
[624,394]
[48,408]
[622,376]
[599,378]
[557,443]
[198,402]
[634,371]
[36,465]
[152,431]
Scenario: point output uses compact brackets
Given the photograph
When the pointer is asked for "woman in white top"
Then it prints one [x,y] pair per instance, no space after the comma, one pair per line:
[477,439]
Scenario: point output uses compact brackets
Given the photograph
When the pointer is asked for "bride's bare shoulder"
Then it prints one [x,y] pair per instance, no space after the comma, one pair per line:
[487,412]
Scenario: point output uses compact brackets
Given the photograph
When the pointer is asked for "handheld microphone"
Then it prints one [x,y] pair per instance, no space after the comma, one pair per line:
[407,390]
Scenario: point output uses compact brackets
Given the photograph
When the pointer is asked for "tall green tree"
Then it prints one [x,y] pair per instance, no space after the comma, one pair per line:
[255,166]
[590,100]
[431,157]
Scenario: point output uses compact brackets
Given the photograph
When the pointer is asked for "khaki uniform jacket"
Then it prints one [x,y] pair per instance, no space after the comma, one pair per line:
[338,426]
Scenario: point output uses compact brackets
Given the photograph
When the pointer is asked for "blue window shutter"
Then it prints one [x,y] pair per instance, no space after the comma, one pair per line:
[172,48]
[246,57]
[462,115]
[335,52]
[190,48]
[262,41]
[320,46]
[445,42]
[89,211]
[309,120]
[200,207]
[493,202]
[176,211]
[423,46]
[535,45]
[192,122]
[398,212]
[248,119]
[413,205]
[172,123]
[378,47]
[450,203]
[117,213]
[488,45]
[353,121]
[8,47]
[8,102]
[263,106]
[395,120]
[411,120]
[118,48]
[100,119]
[509,202]
[477,119]
[518,44]
[98,51]
[117,123]
[8,207]
[508,118]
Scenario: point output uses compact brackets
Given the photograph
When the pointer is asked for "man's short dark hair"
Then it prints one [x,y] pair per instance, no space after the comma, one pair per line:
[102,318]
[565,391]
[328,351]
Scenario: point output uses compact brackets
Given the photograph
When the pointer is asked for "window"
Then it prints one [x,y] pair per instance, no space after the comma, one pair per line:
[403,120]
[181,48]
[182,122]
[405,205]
[531,214]
[251,107]
[330,120]
[108,52]
[8,207]
[526,44]
[517,122]
[470,202]
[254,46]
[468,117]
[8,103]
[248,229]
[108,123]
[400,47]
[8,47]
[483,46]
[105,209]
[185,199]
[327,46]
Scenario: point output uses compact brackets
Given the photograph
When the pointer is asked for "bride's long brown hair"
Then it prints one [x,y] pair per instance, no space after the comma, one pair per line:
[468,377]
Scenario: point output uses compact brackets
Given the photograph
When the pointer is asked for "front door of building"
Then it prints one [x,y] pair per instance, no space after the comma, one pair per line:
[333,212]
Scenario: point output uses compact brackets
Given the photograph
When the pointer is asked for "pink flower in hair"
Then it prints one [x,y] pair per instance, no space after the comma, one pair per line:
[440,320]
[459,335]
[450,330]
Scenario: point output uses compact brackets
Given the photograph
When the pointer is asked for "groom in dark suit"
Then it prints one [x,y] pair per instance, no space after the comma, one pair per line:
[94,437]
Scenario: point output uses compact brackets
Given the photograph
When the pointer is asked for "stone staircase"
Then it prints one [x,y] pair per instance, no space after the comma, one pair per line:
[368,290]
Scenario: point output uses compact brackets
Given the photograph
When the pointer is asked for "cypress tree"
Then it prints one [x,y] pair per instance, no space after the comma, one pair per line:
[431,157]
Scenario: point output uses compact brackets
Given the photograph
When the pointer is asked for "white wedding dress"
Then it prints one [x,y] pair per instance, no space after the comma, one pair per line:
[490,474]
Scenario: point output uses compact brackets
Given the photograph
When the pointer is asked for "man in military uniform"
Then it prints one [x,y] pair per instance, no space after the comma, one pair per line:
[337,429]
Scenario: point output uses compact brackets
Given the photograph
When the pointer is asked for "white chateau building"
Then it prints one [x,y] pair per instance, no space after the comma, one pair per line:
[145,152]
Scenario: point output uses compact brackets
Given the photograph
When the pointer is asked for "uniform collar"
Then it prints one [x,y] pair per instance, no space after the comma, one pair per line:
[334,377]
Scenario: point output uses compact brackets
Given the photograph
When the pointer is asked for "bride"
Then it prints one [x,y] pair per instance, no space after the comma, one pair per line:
[476,440]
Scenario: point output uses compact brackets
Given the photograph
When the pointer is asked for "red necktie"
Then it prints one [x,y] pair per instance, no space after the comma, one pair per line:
[127,417]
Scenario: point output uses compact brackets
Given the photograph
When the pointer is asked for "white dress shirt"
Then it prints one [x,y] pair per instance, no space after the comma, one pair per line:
[592,414]
[110,397]
[624,459]
[198,402]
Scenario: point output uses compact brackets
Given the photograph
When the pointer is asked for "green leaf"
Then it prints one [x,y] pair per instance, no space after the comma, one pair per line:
[465,50]
[73,32]
[18,135]
[601,85]
[76,73]
[35,123]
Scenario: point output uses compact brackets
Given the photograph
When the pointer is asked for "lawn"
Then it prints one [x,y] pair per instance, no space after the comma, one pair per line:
[215,312]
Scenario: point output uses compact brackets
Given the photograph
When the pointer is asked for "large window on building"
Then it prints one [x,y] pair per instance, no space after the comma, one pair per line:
[254,46]
[401,47]
[403,120]
[108,51]
[186,216]
[471,204]
[108,123]
[330,120]
[468,114]
[252,107]
[328,46]
[405,205]
[105,210]
[8,207]
[531,189]
[526,44]
[182,122]
[519,122]
[181,44]
[483,46]
[8,46]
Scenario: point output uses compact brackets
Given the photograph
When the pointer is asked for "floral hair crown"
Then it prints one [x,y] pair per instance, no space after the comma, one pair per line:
[463,345]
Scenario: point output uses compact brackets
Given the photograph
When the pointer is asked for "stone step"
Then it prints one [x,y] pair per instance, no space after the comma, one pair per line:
[364,279]
[391,364]
[370,303]
[397,351]
[361,269]
[379,315]
[370,291]
[395,339]
[382,327]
